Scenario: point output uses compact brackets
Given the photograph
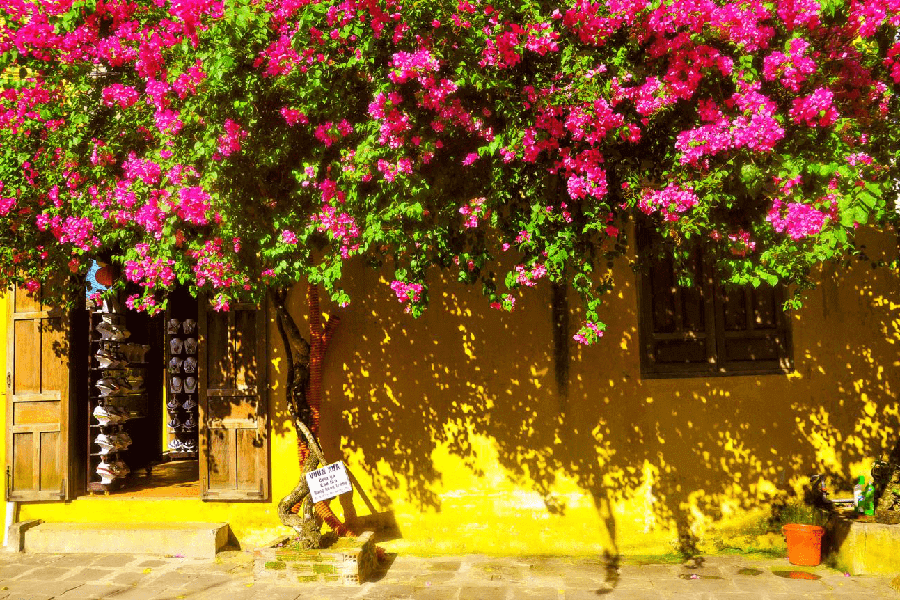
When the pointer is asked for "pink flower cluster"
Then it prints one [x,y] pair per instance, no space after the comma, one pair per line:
[140,168]
[412,65]
[194,202]
[670,201]
[230,141]
[123,95]
[756,127]
[328,133]
[504,49]
[212,266]
[292,116]
[588,334]
[394,123]
[7,203]
[799,13]
[186,83]
[78,231]
[791,69]
[892,61]
[507,302]
[741,243]
[18,107]
[148,271]
[796,219]
[859,158]
[407,292]
[529,277]
[648,98]
[340,226]
[139,303]
[584,175]
[473,211]
[815,110]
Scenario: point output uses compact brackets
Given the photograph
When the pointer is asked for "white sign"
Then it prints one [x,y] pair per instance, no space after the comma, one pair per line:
[328,482]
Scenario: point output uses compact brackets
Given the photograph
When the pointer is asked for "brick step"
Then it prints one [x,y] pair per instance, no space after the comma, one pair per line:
[350,561]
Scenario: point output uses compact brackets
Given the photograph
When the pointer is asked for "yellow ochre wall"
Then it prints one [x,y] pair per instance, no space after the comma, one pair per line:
[453,425]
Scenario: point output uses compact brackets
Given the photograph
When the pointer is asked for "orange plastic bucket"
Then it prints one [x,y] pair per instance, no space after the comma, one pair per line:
[804,544]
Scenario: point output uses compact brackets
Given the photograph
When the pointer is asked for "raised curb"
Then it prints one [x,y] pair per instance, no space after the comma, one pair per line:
[15,541]
[865,548]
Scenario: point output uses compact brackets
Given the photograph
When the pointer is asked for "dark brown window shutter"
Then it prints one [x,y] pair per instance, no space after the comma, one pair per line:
[677,323]
[755,333]
[38,401]
[234,435]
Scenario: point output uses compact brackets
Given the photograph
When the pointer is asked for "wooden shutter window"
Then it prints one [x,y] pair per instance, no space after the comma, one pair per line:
[676,322]
[707,329]
[755,335]
[234,444]
[38,401]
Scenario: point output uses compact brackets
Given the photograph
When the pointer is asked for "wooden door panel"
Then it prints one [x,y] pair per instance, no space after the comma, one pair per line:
[244,358]
[38,399]
[219,459]
[23,461]
[54,362]
[50,460]
[36,413]
[25,302]
[218,364]
[250,469]
[27,357]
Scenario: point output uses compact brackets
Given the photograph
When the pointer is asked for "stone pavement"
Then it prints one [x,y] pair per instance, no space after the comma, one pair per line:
[229,577]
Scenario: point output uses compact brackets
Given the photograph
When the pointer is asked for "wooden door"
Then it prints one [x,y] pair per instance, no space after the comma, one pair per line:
[38,401]
[234,442]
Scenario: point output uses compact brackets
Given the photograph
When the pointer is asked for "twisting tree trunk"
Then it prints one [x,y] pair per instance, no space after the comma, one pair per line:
[304,398]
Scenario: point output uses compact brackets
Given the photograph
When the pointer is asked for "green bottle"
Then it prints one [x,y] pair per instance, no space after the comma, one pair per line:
[858,491]
[869,499]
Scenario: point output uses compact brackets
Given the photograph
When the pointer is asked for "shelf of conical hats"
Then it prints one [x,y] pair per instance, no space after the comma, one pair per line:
[119,365]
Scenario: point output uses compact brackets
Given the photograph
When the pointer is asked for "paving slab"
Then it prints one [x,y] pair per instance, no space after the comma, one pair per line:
[129,577]
[89,575]
[113,560]
[92,592]
[436,593]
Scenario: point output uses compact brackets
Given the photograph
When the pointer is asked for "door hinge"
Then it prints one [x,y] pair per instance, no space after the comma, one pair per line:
[8,482]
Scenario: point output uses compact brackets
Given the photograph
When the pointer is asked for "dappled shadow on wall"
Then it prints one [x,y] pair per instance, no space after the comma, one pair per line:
[398,388]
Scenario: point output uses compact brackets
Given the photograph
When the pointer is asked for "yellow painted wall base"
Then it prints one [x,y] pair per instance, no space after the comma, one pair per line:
[455,425]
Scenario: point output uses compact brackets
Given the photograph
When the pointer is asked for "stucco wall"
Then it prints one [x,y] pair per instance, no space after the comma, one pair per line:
[453,425]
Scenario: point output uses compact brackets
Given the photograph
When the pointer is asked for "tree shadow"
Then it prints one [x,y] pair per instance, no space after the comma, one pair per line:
[685,453]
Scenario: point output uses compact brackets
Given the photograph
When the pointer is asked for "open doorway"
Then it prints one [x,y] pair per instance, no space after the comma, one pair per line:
[142,398]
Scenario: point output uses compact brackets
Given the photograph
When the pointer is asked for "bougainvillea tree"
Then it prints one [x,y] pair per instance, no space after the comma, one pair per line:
[241,146]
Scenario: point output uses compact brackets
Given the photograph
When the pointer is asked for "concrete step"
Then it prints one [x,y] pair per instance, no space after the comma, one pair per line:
[864,548]
[190,540]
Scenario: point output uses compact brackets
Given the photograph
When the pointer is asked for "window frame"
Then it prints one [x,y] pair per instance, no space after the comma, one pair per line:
[716,336]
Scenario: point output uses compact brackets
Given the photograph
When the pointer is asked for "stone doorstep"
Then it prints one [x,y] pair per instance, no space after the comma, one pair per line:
[189,540]
[352,563]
